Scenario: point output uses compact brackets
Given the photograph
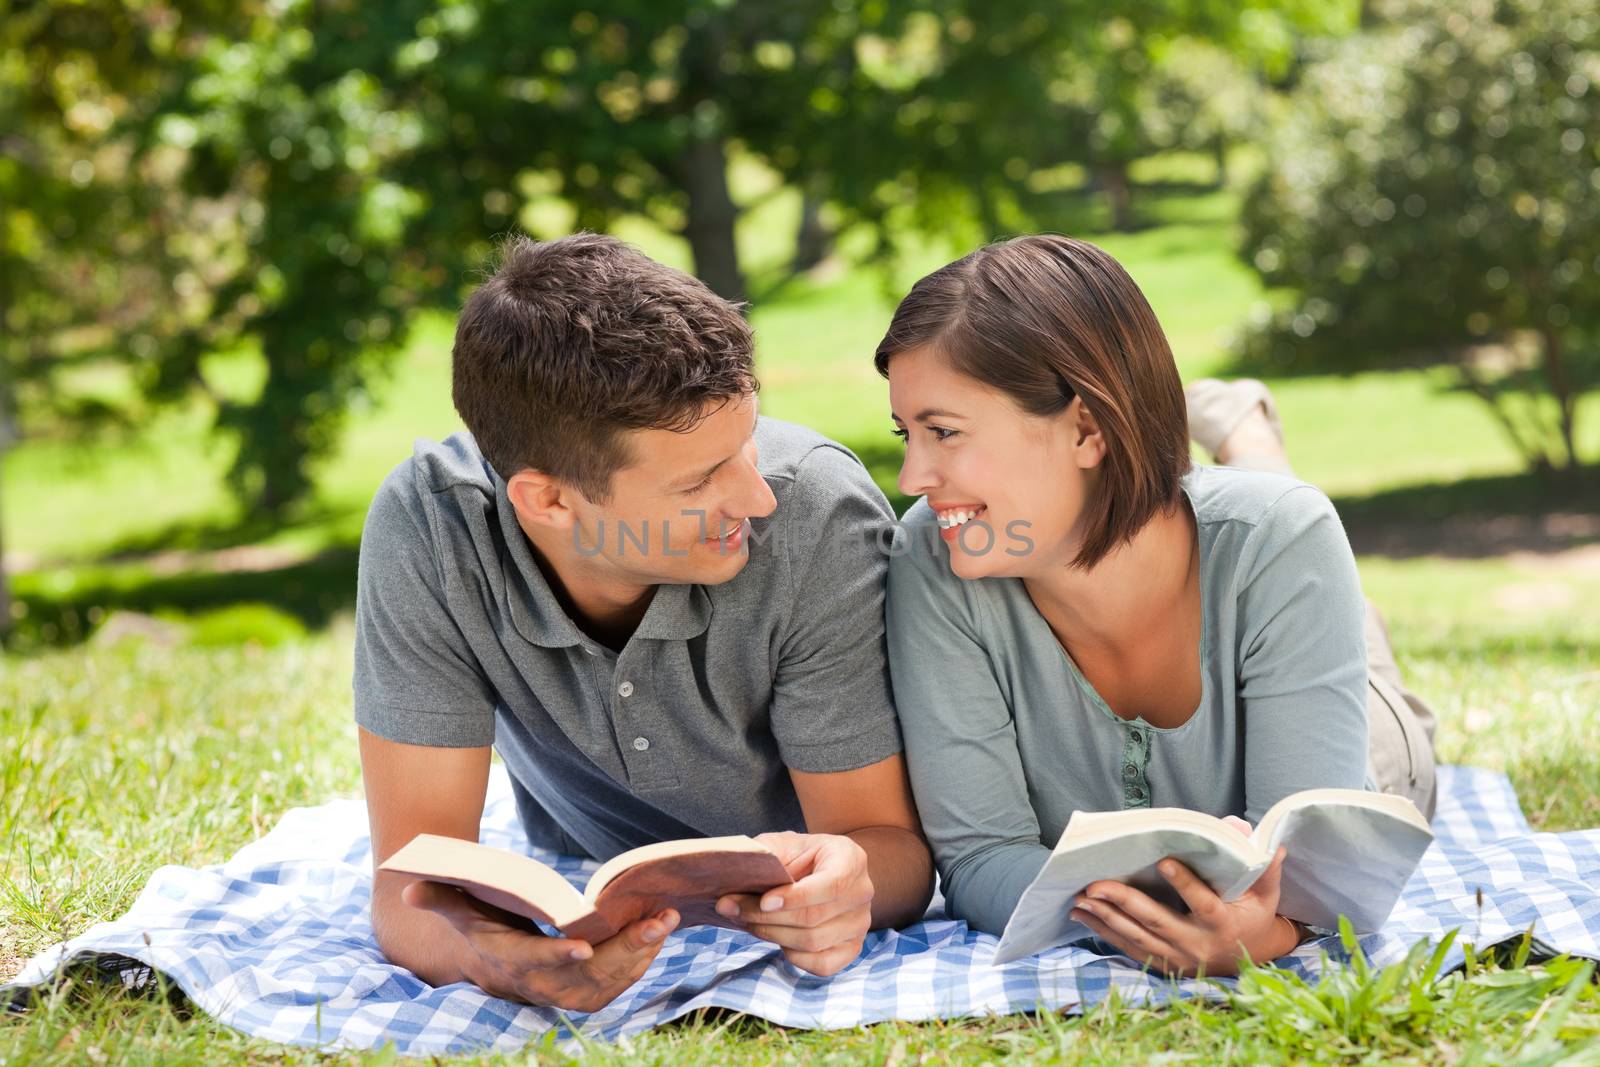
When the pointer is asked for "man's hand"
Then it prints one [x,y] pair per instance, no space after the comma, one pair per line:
[822,919]
[1214,938]
[505,959]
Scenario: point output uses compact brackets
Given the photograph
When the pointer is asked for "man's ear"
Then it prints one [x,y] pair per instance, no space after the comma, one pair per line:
[540,500]
[1088,446]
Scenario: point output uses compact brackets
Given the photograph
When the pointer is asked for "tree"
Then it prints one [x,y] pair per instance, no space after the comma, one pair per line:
[83,252]
[298,177]
[1433,195]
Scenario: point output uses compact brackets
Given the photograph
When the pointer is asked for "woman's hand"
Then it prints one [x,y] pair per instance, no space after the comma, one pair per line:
[1213,938]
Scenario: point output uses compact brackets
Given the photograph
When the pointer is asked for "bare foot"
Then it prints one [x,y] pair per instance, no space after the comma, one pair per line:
[1255,438]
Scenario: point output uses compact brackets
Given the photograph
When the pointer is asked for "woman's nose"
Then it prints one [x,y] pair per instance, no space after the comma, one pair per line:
[917,476]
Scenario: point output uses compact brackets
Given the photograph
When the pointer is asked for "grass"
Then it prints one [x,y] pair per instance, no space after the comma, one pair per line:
[132,756]
[120,758]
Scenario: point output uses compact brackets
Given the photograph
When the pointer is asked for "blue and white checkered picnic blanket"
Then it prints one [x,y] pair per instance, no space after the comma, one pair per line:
[277,942]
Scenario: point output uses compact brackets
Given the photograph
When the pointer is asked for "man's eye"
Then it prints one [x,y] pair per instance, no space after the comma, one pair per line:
[696,488]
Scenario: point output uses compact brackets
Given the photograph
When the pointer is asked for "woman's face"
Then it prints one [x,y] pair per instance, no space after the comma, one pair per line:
[1008,487]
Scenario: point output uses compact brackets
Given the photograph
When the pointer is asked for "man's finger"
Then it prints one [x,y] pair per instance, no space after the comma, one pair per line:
[628,954]
[789,846]
[851,926]
[826,963]
[739,905]
[839,867]
[517,943]
[465,912]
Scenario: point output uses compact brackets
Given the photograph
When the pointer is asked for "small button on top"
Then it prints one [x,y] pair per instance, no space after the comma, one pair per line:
[625,689]
[641,743]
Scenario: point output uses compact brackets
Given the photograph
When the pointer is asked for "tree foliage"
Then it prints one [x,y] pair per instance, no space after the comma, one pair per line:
[1434,194]
[297,178]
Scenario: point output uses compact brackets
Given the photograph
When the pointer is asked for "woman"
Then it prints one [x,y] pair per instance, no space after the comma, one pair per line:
[1080,620]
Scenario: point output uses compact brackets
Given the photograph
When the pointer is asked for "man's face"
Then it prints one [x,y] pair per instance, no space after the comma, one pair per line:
[680,512]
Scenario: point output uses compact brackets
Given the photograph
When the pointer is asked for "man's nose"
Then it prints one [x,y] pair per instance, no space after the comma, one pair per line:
[755,500]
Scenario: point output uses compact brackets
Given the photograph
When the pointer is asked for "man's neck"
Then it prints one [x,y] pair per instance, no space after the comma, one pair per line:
[600,604]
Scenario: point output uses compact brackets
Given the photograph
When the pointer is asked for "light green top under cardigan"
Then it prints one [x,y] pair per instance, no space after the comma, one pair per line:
[1005,738]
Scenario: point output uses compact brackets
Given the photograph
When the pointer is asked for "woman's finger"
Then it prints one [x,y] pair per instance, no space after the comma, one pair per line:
[1140,907]
[1130,939]
[1202,900]
[1268,886]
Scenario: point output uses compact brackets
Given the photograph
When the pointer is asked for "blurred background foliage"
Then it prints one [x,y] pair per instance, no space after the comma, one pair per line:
[255,204]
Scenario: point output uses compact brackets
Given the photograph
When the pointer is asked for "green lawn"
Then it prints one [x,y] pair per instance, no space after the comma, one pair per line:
[120,759]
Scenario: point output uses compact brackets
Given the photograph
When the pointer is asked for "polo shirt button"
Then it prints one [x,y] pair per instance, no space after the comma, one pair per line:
[641,743]
[1129,771]
[625,689]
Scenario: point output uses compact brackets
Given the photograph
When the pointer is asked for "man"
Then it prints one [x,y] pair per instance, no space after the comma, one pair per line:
[665,612]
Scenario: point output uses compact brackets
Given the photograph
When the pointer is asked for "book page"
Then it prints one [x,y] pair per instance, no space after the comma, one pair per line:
[687,879]
[519,884]
[660,850]
[1347,858]
[1398,807]
[1224,858]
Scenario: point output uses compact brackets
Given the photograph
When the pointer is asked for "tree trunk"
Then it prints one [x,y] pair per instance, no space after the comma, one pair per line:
[8,437]
[1531,449]
[712,214]
[1219,149]
[1119,193]
[1555,372]
[812,241]
[5,588]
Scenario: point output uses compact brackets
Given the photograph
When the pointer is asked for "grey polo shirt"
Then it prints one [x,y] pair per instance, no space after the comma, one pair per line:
[690,729]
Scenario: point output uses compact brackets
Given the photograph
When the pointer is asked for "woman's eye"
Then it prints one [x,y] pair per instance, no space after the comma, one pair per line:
[900,433]
[943,434]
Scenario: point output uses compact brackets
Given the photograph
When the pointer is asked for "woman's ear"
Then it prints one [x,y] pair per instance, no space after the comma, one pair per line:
[539,499]
[1088,446]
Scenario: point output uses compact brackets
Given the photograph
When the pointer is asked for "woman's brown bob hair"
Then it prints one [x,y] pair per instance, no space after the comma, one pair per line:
[1047,318]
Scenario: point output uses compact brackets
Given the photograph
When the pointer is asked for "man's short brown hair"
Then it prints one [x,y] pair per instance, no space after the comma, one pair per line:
[574,341]
[1047,318]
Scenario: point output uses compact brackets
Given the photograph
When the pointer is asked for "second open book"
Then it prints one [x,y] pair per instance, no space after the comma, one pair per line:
[1350,853]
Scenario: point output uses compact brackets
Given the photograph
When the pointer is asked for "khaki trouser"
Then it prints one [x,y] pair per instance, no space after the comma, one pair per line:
[1400,725]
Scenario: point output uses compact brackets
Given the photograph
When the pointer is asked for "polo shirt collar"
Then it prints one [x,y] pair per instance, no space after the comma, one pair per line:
[676,612]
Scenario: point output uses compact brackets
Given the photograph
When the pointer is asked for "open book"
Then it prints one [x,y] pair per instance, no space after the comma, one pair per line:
[689,876]
[1350,853]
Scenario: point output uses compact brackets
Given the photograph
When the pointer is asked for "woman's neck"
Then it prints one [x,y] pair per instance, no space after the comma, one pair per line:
[1134,588]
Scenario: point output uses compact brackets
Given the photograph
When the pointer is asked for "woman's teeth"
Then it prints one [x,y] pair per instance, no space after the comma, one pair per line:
[949,520]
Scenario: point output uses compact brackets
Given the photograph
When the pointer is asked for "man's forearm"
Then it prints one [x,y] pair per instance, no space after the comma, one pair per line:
[422,942]
[901,868]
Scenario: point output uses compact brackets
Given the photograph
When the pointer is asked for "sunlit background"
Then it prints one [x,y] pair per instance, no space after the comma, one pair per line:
[235,234]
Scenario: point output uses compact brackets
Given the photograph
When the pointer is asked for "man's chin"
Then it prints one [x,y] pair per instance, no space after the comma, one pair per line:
[706,564]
